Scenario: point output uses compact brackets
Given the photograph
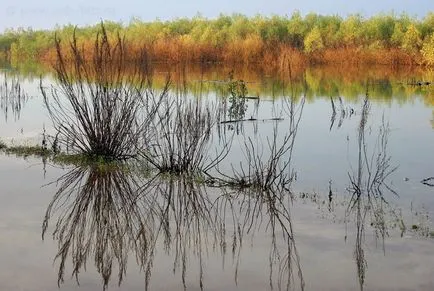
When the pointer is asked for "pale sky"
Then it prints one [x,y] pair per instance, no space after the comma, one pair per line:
[47,13]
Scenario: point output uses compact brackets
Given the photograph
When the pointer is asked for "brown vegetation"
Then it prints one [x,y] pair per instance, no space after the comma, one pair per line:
[252,52]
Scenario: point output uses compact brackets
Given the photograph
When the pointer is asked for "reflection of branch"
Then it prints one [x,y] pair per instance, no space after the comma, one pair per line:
[12,96]
[185,220]
[256,208]
[367,185]
[190,220]
[333,118]
[251,119]
[344,112]
[428,181]
[432,120]
[102,216]
[107,213]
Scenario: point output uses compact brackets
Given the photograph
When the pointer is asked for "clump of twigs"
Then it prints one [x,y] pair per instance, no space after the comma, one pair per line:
[267,167]
[97,108]
[12,96]
[184,137]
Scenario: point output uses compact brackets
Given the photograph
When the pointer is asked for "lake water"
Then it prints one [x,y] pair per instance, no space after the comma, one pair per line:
[175,235]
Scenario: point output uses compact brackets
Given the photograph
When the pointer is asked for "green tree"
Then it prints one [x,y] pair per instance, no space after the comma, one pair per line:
[296,30]
[397,36]
[427,25]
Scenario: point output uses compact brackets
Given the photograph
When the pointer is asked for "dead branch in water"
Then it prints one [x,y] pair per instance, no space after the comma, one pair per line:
[333,118]
[428,181]
[344,112]
[251,119]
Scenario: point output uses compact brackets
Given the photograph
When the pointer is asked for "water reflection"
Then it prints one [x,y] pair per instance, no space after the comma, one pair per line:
[106,213]
[269,209]
[320,81]
[12,96]
[432,120]
[343,112]
[101,215]
[368,183]
[367,205]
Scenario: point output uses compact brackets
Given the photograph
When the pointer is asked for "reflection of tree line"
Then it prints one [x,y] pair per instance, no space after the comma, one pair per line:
[322,81]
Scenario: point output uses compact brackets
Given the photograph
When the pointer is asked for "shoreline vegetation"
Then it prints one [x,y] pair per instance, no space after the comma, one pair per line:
[276,42]
[101,114]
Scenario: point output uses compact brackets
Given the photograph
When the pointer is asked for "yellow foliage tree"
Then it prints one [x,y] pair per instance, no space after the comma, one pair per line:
[427,50]
[313,41]
[411,41]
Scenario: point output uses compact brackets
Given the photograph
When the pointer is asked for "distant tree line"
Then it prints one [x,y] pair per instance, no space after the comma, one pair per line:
[275,40]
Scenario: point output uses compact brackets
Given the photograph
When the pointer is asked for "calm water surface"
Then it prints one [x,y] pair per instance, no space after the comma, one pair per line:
[236,242]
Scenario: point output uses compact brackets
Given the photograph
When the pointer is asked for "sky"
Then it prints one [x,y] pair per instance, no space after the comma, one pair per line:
[46,14]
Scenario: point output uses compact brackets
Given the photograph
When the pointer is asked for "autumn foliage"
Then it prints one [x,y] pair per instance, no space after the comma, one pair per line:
[269,42]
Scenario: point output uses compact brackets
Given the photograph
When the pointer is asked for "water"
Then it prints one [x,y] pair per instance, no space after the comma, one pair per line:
[203,236]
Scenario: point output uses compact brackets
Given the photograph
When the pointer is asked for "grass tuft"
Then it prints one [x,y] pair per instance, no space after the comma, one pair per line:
[25,151]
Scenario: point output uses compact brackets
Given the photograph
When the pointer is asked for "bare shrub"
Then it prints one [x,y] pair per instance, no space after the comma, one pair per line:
[98,107]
